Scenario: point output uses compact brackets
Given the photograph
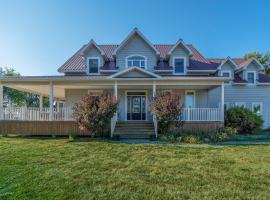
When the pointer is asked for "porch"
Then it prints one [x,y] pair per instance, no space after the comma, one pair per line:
[203,99]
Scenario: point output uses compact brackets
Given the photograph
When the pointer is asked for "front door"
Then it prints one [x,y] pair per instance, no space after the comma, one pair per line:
[136,106]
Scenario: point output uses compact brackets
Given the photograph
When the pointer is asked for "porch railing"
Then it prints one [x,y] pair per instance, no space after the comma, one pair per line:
[35,114]
[201,114]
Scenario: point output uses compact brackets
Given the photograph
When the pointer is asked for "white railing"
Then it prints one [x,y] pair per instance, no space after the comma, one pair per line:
[36,114]
[113,123]
[155,125]
[201,114]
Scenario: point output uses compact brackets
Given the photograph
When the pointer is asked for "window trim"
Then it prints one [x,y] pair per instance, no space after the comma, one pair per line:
[230,75]
[194,95]
[261,105]
[145,59]
[240,102]
[88,67]
[185,64]
[254,73]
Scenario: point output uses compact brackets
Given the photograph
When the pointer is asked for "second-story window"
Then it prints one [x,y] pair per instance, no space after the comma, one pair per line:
[179,65]
[251,77]
[136,61]
[93,64]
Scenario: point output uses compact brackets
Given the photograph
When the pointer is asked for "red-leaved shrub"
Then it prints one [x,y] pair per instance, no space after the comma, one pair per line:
[167,108]
[93,113]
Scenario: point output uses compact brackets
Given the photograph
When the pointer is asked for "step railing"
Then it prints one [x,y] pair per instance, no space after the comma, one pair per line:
[113,123]
[36,114]
[201,114]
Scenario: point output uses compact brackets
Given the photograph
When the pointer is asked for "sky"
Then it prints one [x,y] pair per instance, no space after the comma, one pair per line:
[38,36]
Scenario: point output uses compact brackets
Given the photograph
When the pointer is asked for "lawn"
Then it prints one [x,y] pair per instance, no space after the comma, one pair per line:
[58,169]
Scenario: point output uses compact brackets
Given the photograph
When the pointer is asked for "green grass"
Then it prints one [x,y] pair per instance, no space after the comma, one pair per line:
[58,169]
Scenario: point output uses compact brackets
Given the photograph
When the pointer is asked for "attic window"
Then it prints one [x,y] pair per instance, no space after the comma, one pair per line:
[251,77]
[93,65]
[179,65]
[136,61]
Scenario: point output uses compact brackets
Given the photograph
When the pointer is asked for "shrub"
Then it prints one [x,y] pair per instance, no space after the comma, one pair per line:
[167,108]
[71,137]
[244,120]
[93,113]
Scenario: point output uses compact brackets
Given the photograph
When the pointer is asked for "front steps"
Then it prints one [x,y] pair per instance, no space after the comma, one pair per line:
[135,129]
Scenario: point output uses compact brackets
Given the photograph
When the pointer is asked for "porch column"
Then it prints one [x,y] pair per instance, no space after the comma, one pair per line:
[1,102]
[222,102]
[154,89]
[40,102]
[116,89]
[51,101]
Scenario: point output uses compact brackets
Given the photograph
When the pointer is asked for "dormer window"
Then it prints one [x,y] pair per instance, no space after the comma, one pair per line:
[251,77]
[93,65]
[227,74]
[179,65]
[136,61]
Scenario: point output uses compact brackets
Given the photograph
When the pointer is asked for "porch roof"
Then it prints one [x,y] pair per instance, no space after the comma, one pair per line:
[40,84]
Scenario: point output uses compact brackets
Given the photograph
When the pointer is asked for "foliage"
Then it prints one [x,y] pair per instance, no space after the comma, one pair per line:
[199,137]
[93,113]
[263,59]
[19,98]
[71,137]
[244,120]
[167,108]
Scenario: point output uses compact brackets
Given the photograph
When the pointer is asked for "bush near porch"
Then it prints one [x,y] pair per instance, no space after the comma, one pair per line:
[243,120]
[94,112]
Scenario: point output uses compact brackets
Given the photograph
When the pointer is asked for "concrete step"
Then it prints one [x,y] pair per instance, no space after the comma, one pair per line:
[137,136]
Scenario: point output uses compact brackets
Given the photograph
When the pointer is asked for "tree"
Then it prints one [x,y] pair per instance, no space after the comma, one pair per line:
[19,98]
[263,59]
[93,113]
[167,108]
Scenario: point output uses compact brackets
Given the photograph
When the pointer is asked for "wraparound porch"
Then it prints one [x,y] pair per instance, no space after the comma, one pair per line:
[207,100]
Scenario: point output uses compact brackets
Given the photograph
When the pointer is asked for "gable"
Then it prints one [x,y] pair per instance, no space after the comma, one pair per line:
[134,72]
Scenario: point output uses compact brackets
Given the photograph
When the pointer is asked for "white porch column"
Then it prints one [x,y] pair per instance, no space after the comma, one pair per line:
[51,101]
[222,102]
[1,102]
[116,89]
[40,102]
[154,89]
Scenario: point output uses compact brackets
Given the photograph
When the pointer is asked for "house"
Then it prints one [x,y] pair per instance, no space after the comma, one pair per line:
[135,70]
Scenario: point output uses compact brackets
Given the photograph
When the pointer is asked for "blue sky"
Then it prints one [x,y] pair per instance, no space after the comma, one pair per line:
[36,36]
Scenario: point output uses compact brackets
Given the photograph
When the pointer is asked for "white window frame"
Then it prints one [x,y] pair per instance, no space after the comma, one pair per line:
[254,73]
[240,104]
[230,76]
[88,67]
[194,99]
[261,106]
[145,60]
[227,104]
[185,64]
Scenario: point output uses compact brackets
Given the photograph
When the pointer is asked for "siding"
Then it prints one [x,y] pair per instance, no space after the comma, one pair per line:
[227,67]
[179,52]
[136,46]
[250,94]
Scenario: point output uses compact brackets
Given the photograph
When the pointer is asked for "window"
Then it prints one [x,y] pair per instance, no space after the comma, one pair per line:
[179,65]
[251,77]
[136,61]
[93,64]
[190,99]
[240,104]
[257,108]
[226,74]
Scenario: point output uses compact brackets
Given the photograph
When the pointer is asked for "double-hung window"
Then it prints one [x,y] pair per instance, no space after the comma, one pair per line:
[251,77]
[179,65]
[136,61]
[93,65]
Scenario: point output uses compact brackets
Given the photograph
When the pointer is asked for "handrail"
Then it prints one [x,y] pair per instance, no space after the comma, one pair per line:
[113,123]
[155,125]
